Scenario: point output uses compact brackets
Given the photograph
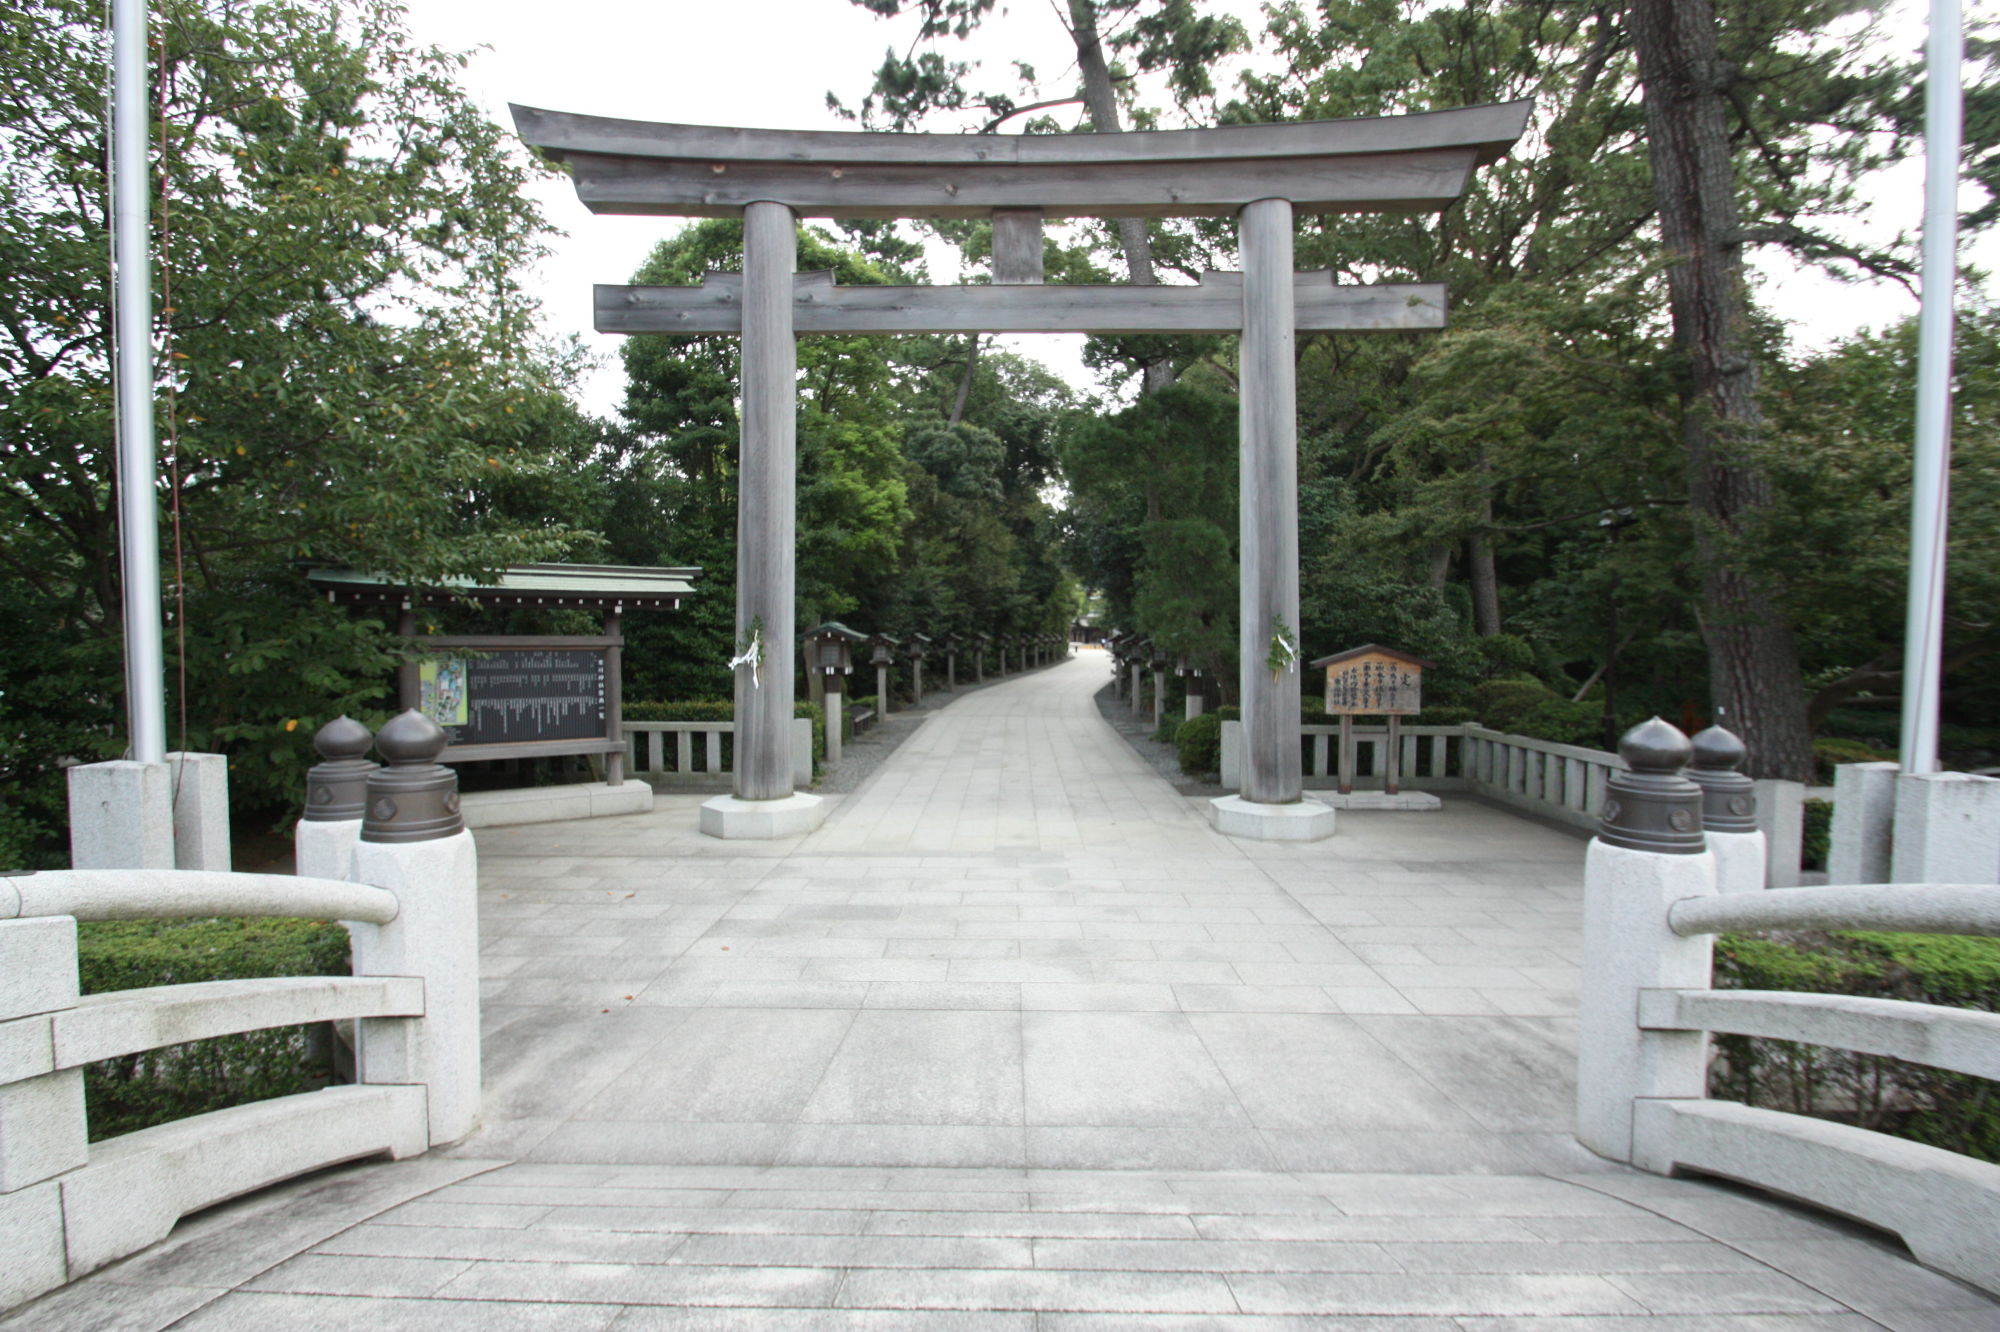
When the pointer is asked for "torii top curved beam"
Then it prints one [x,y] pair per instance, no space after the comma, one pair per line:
[1412,163]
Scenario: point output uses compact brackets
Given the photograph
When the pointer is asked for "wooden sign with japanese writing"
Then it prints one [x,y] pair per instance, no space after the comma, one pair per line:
[1373,681]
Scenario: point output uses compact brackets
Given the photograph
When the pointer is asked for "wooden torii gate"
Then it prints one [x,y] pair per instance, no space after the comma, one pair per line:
[1261,174]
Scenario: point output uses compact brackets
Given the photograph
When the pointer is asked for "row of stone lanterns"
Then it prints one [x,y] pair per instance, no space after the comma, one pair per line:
[831,649]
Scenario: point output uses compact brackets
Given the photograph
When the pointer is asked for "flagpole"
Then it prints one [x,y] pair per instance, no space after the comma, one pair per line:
[1930,479]
[138,516]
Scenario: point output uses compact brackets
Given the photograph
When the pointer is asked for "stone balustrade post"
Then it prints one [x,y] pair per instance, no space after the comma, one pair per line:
[1947,829]
[121,815]
[1729,812]
[1649,853]
[336,795]
[414,844]
[1864,823]
[200,790]
[42,1126]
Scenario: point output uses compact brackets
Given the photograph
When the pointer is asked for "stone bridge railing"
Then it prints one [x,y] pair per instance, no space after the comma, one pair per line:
[404,882]
[1672,867]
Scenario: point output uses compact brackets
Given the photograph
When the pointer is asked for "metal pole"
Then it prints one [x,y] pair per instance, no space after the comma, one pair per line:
[138,515]
[1930,480]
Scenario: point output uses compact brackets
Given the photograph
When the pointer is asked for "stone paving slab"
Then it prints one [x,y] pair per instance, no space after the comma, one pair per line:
[1016,1042]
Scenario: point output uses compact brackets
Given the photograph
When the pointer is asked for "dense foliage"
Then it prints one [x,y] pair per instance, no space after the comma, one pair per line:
[346,374]
[139,1090]
[922,468]
[1556,489]
[1945,1109]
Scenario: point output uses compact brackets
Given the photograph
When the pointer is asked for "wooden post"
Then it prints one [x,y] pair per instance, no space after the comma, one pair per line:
[1392,764]
[1017,245]
[766,524]
[1268,472]
[951,672]
[614,697]
[1345,782]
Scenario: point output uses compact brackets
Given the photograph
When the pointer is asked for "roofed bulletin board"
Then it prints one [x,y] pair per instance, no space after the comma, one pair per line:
[516,695]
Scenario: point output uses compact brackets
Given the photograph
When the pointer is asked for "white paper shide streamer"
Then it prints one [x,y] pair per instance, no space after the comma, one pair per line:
[753,657]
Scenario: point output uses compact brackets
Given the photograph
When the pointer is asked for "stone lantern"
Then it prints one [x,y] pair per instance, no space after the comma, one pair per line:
[1191,673]
[949,645]
[917,648]
[830,655]
[981,644]
[1138,653]
[882,653]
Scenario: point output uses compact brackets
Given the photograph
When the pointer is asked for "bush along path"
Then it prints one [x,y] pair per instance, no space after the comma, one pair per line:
[1162,755]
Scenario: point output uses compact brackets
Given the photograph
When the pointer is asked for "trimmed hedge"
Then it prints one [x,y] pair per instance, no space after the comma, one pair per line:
[1945,1109]
[1521,705]
[154,1087]
[1198,741]
[1817,838]
[1829,752]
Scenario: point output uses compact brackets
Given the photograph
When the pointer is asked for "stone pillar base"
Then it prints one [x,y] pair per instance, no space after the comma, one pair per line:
[1301,821]
[1402,800]
[762,820]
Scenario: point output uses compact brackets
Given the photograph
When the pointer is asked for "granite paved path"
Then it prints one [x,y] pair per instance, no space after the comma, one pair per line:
[1016,1042]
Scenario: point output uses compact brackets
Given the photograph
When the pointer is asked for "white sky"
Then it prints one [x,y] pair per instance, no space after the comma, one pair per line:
[769,64]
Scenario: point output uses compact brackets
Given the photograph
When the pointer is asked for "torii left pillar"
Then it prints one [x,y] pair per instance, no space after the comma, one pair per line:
[763,803]
[1271,805]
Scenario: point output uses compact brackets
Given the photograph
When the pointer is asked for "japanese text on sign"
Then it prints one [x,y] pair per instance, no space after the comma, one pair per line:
[1373,686]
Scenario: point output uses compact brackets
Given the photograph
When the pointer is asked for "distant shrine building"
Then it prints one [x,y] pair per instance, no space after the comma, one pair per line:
[1260,174]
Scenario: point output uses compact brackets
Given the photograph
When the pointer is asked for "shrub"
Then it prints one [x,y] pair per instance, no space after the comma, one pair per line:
[1945,1109]
[1198,744]
[153,1087]
[1520,705]
[1817,838]
[1831,751]
[1169,726]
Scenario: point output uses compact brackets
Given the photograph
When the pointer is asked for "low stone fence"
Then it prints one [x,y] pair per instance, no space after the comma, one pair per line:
[1658,885]
[1562,783]
[698,762]
[405,883]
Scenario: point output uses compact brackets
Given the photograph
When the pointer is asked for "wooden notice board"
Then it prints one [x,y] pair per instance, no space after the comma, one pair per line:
[1374,682]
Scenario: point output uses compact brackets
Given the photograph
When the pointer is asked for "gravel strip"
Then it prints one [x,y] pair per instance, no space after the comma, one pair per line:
[1137,732]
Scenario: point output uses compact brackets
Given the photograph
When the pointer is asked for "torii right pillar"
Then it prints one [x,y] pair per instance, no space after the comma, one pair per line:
[1270,806]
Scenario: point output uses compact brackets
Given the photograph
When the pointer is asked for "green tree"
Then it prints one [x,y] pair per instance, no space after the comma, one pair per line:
[349,372]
